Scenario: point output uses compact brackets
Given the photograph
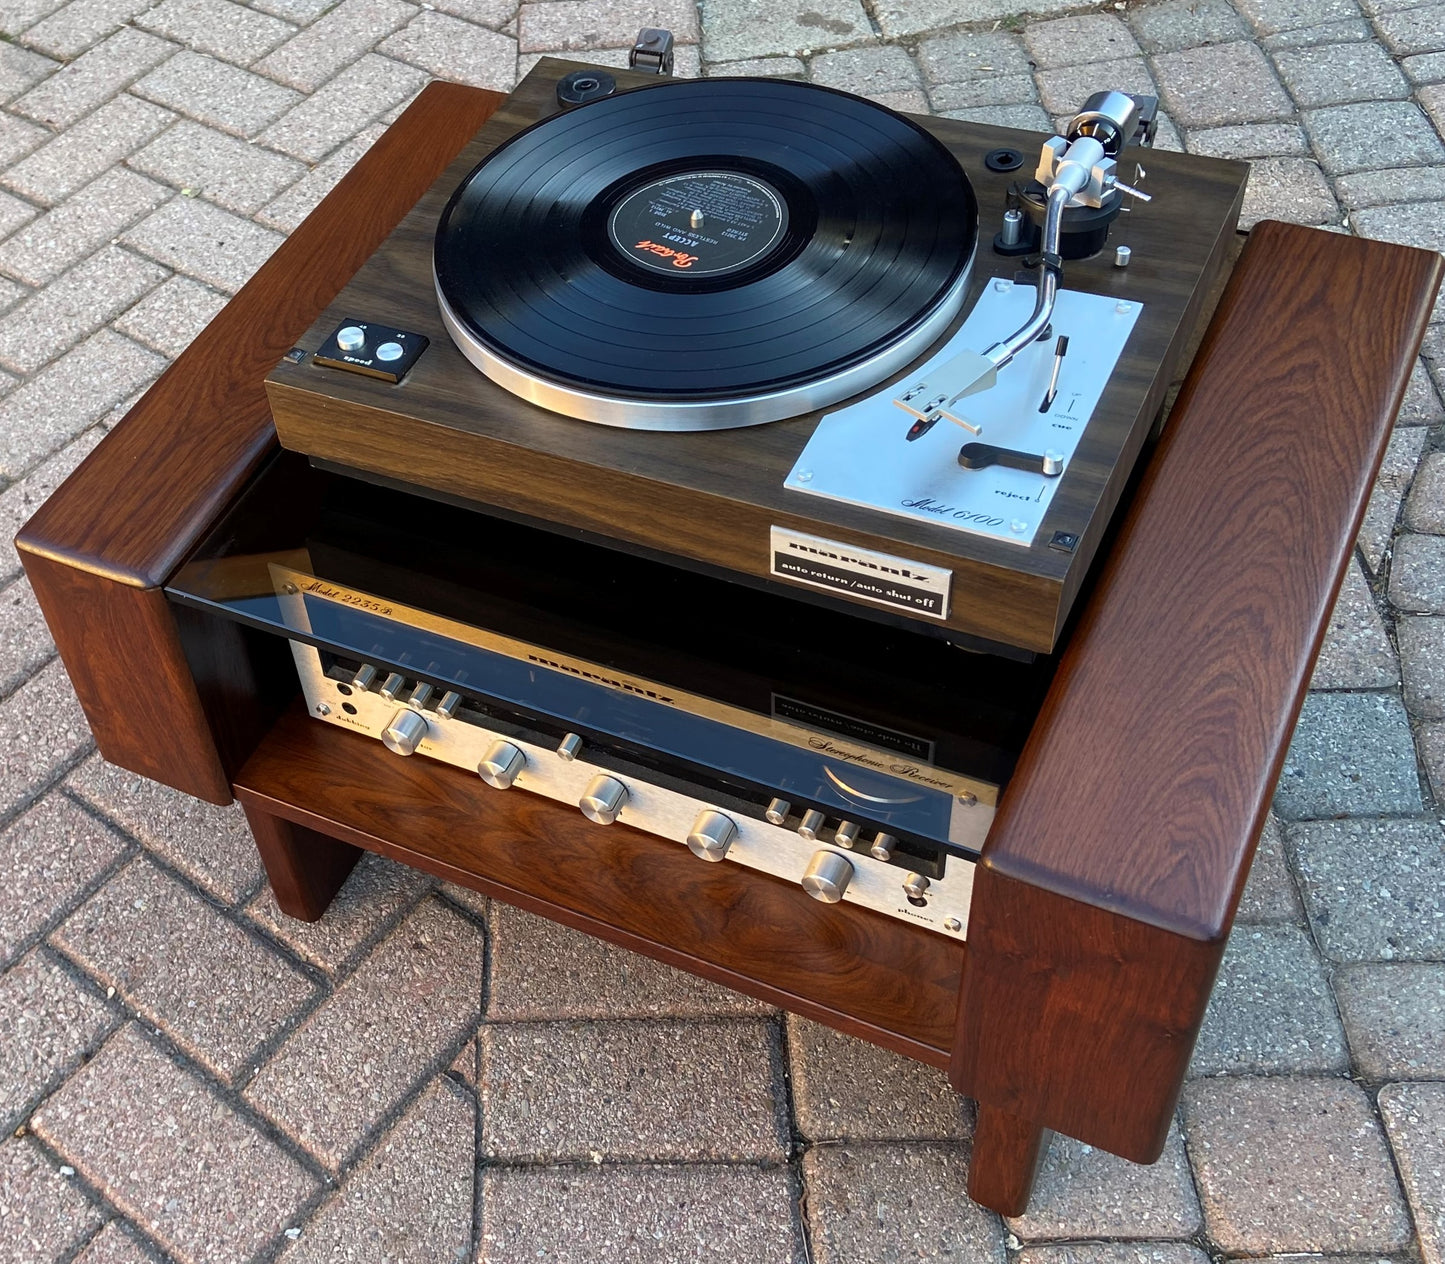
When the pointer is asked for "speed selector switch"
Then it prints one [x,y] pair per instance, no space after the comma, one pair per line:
[603,799]
[712,834]
[500,765]
[403,735]
[827,876]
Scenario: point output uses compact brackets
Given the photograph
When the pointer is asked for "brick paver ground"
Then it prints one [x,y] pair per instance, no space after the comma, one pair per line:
[186,1075]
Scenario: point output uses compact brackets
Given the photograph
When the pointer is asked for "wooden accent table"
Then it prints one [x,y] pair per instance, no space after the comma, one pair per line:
[1109,881]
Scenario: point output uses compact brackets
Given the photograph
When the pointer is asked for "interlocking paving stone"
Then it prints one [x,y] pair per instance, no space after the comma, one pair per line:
[1421,405]
[169,318]
[1403,184]
[1271,16]
[15,213]
[1394,1017]
[1065,88]
[494,13]
[632,1091]
[46,732]
[17,137]
[217,93]
[74,27]
[1425,67]
[19,68]
[1287,1165]
[1249,140]
[1083,1192]
[455,50]
[1419,224]
[376,894]
[1356,653]
[687,62]
[164,950]
[16,15]
[1269,894]
[356,97]
[1342,32]
[1432,98]
[540,970]
[1220,84]
[1271,1010]
[356,1058]
[736,29]
[410,1201]
[982,93]
[886,74]
[94,77]
[115,1244]
[287,211]
[591,24]
[48,1022]
[1419,30]
[1415,1119]
[1112,1253]
[25,641]
[1417,574]
[1396,472]
[74,305]
[23,498]
[210,845]
[172,1155]
[1371,135]
[1091,37]
[298,11]
[845,1088]
[1422,658]
[310,58]
[1372,888]
[232,32]
[969,56]
[85,151]
[1425,509]
[47,246]
[1338,74]
[1291,189]
[639,1215]
[886,1204]
[767,67]
[1176,24]
[1351,755]
[223,169]
[43,1214]
[203,241]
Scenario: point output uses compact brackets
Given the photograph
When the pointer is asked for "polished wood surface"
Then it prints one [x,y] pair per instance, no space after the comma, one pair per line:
[1111,875]
[98,550]
[711,498]
[1007,1151]
[845,966]
[304,867]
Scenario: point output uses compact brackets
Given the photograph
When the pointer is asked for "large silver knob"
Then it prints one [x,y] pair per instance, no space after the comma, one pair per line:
[712,835]
[403,735]
[603,799]
[827,877]
[500,764]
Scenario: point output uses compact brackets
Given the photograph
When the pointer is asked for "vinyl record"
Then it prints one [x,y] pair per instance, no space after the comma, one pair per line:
[704,254]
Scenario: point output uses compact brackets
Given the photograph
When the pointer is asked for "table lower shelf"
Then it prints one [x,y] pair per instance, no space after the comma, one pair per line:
[844,966]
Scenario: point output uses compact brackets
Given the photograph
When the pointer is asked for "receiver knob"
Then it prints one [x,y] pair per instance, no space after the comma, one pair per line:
[712,835]
[403,735]
[603,799]
[500,764]
[811,823]
[827,876]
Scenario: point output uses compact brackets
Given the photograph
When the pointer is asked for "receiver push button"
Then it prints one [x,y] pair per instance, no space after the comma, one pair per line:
[827,876]
[603,799]
[712,835]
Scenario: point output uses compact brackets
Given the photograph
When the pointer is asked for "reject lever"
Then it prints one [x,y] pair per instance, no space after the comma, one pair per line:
[979,456]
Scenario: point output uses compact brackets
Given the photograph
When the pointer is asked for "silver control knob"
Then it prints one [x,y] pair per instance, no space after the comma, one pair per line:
[778,811]
[449,705]
[365,678]
[403,735]
[847,832]
[827,876]
[569,747]
[420,696]
[392,686]
[603,799]
[915,886]
[811,823]
[712,835]
[500,765]
[390,351]
[883,846]
[351,338]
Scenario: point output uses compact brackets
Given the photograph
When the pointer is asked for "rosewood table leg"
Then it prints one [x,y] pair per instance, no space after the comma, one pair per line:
[305,868]
[1007,1151]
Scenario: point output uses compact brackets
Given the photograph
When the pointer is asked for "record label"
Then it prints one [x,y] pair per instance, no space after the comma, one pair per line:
[700,223]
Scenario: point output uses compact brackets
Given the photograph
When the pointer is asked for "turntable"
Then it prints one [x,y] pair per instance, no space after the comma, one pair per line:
[780,334]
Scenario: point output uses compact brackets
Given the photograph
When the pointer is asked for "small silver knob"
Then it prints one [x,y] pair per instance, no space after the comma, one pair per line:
[390,351]
[569,747]
[712,835]
[421,695]
[352,338]
[365,678]
[827,877]
[500,764]
[604,798]
[1122,256]
[883,846]
[811,823]
[915,886]
[403,735]
[847,832]
[392,686]
[450,703]
[778,811]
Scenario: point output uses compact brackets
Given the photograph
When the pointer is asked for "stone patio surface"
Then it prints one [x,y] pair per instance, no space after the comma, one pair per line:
[187,1075]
